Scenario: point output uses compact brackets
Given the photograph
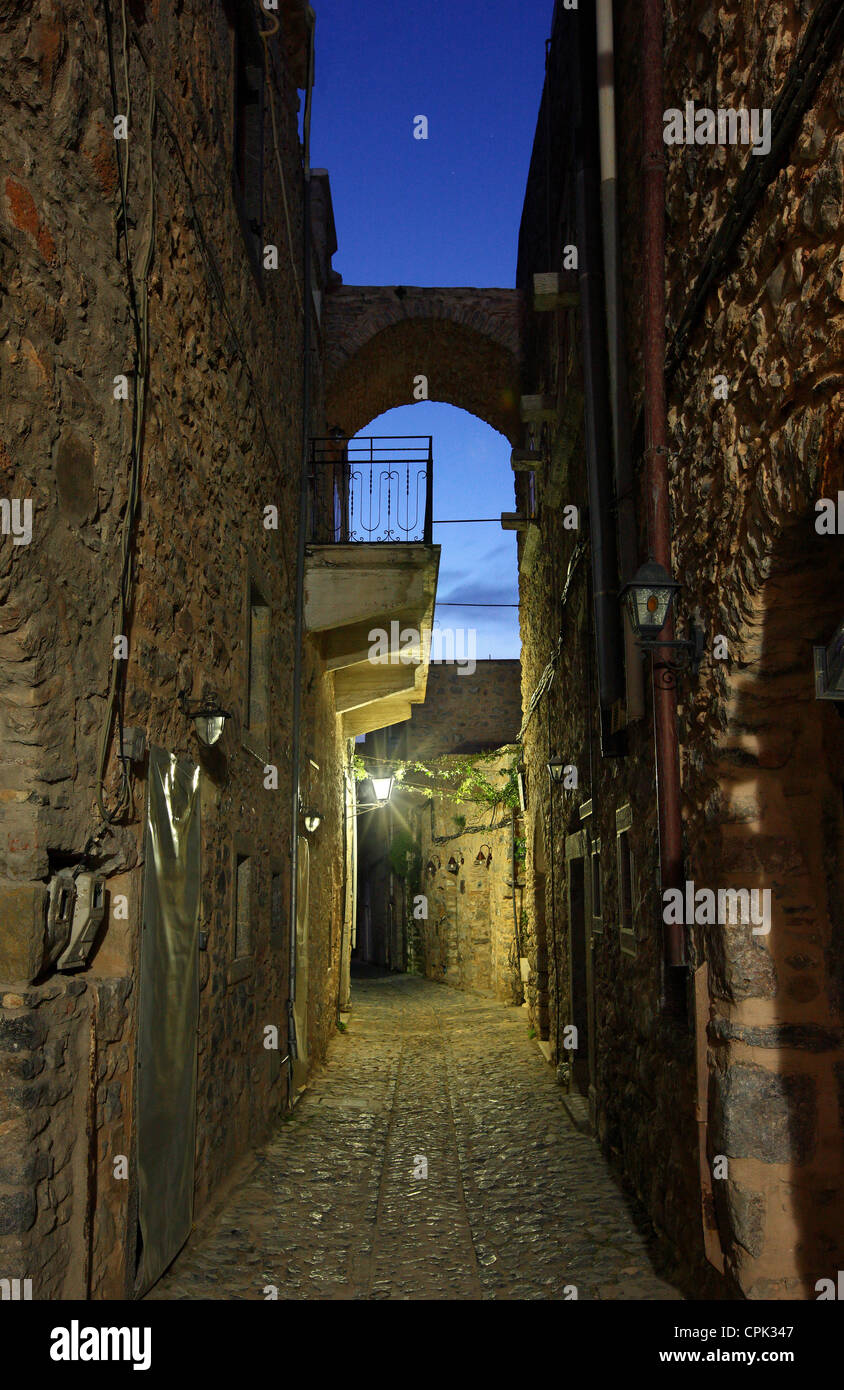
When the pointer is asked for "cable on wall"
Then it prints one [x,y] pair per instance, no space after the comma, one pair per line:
[266,35]
[140,320]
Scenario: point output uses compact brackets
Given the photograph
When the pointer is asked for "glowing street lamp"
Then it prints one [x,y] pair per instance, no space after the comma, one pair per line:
[383,789]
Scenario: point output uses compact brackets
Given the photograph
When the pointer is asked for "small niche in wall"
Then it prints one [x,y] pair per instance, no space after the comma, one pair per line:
[258,672]
[626,873]
[243,907]
[276,911]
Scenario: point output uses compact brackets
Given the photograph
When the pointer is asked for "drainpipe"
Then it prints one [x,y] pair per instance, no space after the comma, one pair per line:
[596,399]
[621,432]
[711,1235]
[296,749]
[656,455]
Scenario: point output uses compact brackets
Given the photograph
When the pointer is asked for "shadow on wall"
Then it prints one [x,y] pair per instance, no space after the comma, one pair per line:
[778,997]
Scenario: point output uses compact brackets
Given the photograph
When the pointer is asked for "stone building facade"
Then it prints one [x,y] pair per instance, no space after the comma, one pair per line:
[729,1103]
[159,327]
[473,885]
[453,912]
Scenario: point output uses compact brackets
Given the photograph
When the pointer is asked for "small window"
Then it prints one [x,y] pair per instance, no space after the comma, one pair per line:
[258,691]
[625,882]
[625,867]
[531,495]
[595,858]
[243,907]
[276,911]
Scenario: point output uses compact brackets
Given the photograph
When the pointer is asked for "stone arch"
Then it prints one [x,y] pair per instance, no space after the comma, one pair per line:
[467,342]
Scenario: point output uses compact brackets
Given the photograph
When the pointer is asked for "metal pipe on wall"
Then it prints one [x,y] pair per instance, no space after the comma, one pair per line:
[596,393]
[666,736]
[613,299]
[296,740]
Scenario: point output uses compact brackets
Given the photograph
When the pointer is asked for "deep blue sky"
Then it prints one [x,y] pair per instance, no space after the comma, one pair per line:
[441,211]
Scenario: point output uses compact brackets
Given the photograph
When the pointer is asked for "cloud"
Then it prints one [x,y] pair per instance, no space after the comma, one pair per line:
[474,591]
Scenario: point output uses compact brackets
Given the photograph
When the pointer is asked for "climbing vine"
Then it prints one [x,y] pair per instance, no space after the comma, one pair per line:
[405,856]
[462,777]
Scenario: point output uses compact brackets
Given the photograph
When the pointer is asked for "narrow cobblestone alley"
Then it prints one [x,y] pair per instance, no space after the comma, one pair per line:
[516,1204]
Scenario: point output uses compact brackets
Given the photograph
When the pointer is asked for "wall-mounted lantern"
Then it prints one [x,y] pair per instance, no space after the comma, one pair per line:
[484,859]
[383,788]
[829,668]
[432,867]
[556,769]
[312,818]
[648,599]
[454,864]
[209,717]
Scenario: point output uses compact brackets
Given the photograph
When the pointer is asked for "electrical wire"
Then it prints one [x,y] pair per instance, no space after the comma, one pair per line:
[140,320]
[547,677]
[552,856]
[266,35]
[299,627]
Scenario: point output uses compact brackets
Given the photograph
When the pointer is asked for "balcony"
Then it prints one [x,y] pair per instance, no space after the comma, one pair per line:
[374,491]
[371,568]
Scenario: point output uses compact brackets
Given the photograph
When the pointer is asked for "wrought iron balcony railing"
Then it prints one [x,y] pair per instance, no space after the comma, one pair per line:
[375,489]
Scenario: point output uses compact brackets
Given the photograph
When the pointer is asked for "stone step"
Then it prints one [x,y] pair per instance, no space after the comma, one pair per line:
[577,1108]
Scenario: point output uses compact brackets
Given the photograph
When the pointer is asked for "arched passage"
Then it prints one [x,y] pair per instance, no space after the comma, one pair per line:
[466,342]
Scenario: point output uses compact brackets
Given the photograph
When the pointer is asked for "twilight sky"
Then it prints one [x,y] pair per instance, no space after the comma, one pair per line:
[441,211]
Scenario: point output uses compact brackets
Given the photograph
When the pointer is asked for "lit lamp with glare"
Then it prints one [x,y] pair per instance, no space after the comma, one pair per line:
[383,789]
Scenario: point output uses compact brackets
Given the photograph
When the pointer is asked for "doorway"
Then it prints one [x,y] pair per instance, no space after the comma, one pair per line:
[581,978]
[543,1013]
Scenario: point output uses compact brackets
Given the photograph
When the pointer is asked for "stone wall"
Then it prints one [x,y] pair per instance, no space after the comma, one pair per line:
[464,712]
[222,441]
[468,938]
[762,794]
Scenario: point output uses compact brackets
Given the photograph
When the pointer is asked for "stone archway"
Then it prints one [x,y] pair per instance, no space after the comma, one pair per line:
[379,339]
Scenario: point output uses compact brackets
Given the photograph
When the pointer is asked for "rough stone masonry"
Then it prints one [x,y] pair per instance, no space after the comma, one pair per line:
[221,441]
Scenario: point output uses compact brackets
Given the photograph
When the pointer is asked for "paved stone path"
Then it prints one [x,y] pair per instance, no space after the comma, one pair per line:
[516,1203]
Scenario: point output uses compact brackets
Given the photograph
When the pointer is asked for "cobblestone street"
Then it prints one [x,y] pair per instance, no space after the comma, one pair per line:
[516,1203]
